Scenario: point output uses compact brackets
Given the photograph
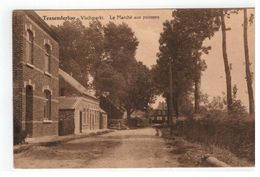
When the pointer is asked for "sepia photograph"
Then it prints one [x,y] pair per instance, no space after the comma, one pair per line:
[133,88]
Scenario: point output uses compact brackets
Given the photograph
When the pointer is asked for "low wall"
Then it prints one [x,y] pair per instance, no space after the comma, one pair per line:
[117,124]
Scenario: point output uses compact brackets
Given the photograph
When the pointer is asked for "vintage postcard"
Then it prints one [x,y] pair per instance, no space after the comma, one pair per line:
[133,88]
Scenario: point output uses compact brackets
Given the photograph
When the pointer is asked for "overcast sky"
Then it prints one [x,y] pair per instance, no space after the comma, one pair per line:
[148,32]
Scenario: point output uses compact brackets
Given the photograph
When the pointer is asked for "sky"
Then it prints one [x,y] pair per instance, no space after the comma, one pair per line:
[148,33]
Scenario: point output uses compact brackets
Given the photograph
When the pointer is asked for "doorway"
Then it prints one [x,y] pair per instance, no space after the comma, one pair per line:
[80,121]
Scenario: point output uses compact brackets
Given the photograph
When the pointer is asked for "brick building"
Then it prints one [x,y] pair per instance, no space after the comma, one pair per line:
[79,109]
[35,76]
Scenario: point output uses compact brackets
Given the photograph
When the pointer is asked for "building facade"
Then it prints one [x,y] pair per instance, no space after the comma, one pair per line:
[35,75]
[159,115]
[79,110]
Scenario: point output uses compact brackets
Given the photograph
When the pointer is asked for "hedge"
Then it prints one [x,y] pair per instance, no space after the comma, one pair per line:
[235,135]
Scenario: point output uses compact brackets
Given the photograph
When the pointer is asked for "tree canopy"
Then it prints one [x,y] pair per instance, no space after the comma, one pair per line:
[108,54]
[181,45]
[120,76]
[81,48]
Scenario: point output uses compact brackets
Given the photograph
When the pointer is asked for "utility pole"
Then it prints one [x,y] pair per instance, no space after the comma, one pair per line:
[170,90]
[170,93]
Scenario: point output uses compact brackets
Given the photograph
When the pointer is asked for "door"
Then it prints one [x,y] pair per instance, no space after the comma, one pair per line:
[100,121]
[29,110]
[80,121]
[90,120]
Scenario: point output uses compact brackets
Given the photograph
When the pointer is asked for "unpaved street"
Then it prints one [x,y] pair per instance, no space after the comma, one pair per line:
[125,148]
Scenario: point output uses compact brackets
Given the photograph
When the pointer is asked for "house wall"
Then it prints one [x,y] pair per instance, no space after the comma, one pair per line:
[159,116]
[103,120]
[90,115]
[88,106]
[76,122]
[17,75]
[34,74]
[88,110]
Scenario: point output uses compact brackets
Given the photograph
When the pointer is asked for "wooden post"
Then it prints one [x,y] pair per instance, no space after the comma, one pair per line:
[215,162]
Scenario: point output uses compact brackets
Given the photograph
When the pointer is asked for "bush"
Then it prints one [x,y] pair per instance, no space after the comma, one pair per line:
[231,132]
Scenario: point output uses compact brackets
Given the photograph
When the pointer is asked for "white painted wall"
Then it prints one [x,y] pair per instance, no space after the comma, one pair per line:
[76,121]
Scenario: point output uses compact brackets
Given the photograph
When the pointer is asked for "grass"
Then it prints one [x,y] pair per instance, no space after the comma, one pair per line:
[192,154]
[234,135]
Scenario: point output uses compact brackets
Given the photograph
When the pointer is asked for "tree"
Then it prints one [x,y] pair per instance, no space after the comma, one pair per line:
[118,55]
[125,81]
[140,89]
[247,68]
[120,46]
[199,25]
[174,51]
[200,66]
[226,63]
[217,103]
[81,48]
[238,109]
[181,44]
[108,81]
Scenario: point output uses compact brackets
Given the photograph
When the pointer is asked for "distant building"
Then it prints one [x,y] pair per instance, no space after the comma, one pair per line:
[35,76]
[159,114]
[162,105]
[79,109]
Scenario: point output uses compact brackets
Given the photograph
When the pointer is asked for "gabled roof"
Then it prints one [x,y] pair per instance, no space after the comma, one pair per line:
[67,102]
[72,102]
[74,83]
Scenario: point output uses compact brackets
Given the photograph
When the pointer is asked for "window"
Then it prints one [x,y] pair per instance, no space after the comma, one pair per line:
[62,91]
[47,106]
[95,115]
[88,116]
[47,58]
[85,116]
[29,47]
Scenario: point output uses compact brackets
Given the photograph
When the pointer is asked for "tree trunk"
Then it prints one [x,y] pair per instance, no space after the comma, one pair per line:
[248,73]
[196,95]
[226,64]
[128,115]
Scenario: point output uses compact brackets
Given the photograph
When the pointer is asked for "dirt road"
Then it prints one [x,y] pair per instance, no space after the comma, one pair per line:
[125,148]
